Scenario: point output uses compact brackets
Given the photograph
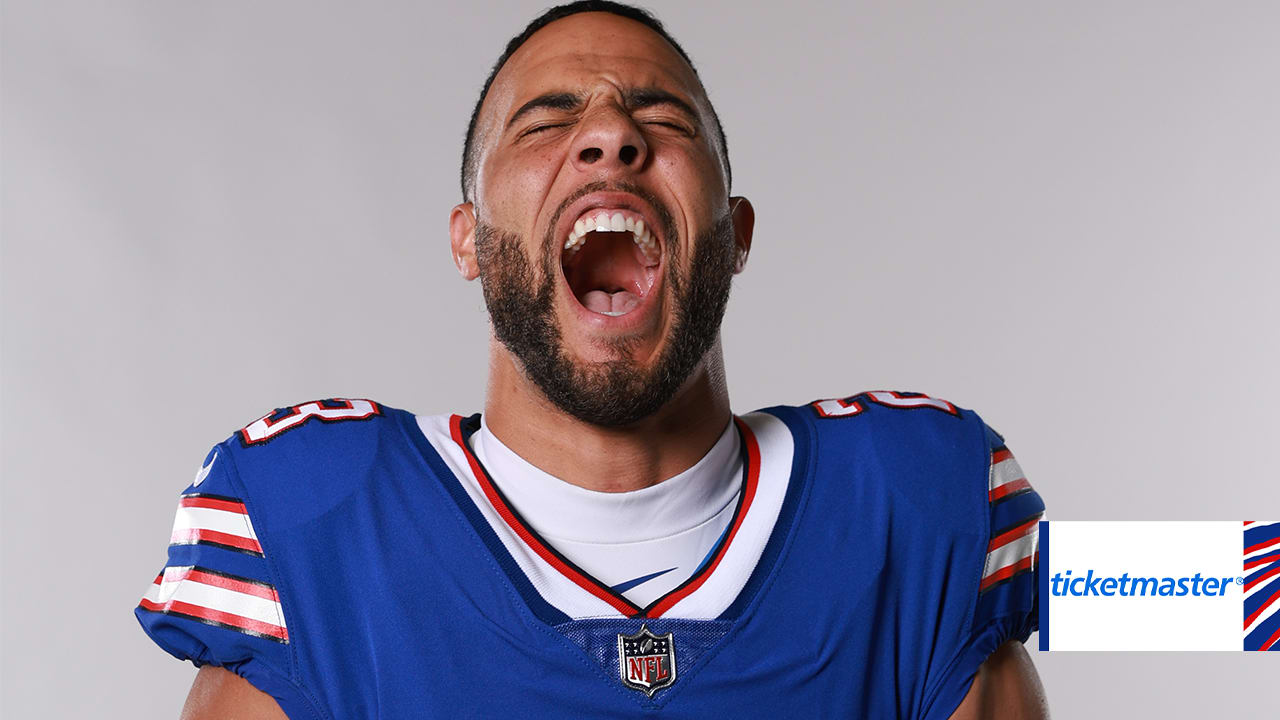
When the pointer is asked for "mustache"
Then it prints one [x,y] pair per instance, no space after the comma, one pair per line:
[670,236]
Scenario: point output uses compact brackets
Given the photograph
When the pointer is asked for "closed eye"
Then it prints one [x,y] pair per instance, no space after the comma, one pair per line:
[671,125]
[540,128]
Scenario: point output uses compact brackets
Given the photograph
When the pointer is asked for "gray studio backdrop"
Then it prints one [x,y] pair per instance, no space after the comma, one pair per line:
[1063,215]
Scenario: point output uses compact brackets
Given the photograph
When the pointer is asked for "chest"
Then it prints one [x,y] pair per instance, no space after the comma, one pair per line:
[421,620]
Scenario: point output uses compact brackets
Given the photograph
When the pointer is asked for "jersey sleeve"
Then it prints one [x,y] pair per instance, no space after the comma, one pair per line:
[216,602]
[1006,604]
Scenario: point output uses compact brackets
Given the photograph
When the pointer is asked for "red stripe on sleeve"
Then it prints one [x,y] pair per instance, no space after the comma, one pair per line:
[261,590]
[226,618]
[192,536]
[1008,488]
[213,504]
[1009,536]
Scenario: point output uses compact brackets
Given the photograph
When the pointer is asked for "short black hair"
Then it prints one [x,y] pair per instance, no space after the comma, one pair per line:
[559,12]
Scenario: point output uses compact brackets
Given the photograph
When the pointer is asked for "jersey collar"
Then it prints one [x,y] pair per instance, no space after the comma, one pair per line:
[775,449]
[461,430]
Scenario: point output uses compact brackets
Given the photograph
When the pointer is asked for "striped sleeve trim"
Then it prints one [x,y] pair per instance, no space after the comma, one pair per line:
[1007,480]
[1014,556]
[1013,546]
[214,520]
[220,599]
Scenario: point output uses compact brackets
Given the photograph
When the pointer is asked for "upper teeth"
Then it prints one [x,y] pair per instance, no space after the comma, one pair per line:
[615,222]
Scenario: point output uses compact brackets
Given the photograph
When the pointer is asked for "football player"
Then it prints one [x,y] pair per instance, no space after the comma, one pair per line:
[607,539]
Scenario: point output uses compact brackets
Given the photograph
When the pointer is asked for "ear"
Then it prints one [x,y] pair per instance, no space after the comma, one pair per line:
[744,223]
[462,240]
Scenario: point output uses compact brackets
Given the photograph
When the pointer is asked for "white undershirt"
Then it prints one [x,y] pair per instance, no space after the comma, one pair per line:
[620,537]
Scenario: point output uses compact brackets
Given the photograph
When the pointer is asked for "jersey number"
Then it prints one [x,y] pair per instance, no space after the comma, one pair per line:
[855,404]
[282,419]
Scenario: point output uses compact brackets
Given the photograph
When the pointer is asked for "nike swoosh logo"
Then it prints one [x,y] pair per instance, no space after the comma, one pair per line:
[627,585]
[204,471]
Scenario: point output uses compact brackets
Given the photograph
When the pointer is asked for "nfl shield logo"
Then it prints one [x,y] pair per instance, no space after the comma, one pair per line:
[647,662]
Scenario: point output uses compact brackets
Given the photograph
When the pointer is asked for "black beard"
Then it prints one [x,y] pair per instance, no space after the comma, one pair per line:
[615,393]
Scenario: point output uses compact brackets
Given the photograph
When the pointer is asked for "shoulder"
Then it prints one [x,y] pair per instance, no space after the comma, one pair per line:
[268,506]
[909,449]
[895,417]
[951,471]
[919,442]
[318,451]
[948,514]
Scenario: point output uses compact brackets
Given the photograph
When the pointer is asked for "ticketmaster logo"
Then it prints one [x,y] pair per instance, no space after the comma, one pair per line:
[1158,585]
[1062,584]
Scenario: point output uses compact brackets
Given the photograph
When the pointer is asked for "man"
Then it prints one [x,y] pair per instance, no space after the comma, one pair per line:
[607,539]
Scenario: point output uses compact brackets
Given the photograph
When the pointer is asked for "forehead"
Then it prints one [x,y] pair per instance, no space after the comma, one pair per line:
[587,51]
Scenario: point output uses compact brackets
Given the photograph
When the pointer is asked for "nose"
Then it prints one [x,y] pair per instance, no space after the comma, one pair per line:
[608,140]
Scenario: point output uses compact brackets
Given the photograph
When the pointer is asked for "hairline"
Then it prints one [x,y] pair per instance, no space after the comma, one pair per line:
[471,145]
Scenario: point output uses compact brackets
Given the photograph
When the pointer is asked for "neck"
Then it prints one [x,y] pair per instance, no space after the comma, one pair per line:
[607,459]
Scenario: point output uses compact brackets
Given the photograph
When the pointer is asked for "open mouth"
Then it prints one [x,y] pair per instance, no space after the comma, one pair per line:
[611,260]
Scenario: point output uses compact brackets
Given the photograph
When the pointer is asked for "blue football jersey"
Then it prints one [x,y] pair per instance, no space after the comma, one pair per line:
[356,561]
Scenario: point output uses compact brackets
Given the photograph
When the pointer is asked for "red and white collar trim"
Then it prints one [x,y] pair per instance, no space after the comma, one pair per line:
[769,449]
[571,516]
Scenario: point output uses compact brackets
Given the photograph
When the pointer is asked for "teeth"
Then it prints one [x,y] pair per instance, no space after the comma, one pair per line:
[617,222]
[574,243]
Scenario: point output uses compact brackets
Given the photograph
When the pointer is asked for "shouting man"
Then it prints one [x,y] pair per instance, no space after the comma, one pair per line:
[607,539]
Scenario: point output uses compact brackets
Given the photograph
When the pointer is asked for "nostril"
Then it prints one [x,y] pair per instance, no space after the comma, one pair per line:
[628,154]
[590,155]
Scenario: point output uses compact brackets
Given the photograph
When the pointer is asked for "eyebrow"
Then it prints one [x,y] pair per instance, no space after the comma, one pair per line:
[635,98]
[564,101]
[649,97]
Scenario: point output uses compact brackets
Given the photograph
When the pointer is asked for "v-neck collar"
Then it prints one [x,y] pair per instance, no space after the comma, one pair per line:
[570,517]
[461,429]
[776,444]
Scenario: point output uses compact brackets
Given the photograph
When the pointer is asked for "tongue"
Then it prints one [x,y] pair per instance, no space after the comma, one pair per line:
[609,302]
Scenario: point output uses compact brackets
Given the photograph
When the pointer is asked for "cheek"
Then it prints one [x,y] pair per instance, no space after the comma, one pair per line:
[699,159]
[516,185]
[698,196]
